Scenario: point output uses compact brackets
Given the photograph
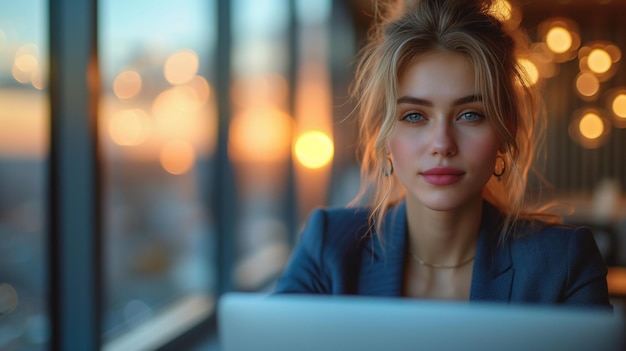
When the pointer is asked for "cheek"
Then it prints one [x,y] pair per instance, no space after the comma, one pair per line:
[485,150]
[403,147]
[393,145]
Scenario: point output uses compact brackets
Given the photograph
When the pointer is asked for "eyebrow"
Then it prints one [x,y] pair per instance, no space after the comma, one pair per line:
[417,101]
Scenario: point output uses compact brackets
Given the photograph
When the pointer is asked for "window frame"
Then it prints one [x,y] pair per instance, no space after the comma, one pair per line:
[74,203]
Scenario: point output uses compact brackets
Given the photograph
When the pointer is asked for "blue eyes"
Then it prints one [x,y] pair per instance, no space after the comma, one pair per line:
[470,116]
[415,117]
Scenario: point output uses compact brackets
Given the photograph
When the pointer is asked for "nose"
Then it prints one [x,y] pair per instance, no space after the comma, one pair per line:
[443,141]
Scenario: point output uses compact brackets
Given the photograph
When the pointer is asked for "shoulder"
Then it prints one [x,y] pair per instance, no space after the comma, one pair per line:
[325,257]
[340,216]
[536,239]
[539,233]
[558,250]
[559,264]
[334,226]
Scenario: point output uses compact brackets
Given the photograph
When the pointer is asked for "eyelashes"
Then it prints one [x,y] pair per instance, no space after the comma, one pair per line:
[413,117]
[467,116]
[471,116]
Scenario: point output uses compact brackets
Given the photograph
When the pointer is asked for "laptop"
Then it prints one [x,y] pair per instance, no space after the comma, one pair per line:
[257,322]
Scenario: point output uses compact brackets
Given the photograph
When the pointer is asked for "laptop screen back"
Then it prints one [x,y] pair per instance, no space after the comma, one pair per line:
[254,322]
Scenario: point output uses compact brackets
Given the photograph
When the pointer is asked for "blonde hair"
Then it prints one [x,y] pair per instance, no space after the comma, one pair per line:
[511,103]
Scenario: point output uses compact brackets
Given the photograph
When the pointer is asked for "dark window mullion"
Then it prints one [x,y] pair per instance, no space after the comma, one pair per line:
[224,202]
[75,272]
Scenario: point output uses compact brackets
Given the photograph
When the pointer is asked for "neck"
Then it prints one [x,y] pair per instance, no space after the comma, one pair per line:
[443,237]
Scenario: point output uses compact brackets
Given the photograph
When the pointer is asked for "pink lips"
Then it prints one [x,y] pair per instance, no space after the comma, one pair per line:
[442,175]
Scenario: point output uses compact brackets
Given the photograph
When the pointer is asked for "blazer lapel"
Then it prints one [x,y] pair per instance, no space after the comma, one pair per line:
[493,269]
[382,268]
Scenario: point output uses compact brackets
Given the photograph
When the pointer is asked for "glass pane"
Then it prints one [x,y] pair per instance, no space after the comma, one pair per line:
[283,130]
[158,132]
[260,138]
[24,118]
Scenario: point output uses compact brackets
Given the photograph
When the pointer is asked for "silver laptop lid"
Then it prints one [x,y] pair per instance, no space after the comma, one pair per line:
[304,322]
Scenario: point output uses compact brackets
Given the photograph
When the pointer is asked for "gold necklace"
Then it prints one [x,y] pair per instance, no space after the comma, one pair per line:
[440,266]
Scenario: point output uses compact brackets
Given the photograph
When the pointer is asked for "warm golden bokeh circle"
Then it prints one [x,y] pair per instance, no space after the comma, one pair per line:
[314,149]
[559,39]
[591,126]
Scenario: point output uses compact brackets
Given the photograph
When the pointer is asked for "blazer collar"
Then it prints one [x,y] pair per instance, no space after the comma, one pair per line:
[493,268]
[382,264]
[382,268]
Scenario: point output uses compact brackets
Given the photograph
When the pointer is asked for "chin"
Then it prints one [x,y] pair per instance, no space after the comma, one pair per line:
[448,202]
[440,207]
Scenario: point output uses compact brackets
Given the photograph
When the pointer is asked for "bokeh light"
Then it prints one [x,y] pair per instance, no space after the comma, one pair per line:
[127,84]
[181,67]
[314,149]
[129,127]
[202,89]
[26,63]
[599,61]
[502,10]
[559,39]
[20,76]
[613,51]
[561,36]
[587,85]
[24,124]
[507,13]
[532,73]
[38,79]
[618,106]
[177,157]
[591,126]
[249,91]
[26,66]
[599,58]
[261,134]
[175,110]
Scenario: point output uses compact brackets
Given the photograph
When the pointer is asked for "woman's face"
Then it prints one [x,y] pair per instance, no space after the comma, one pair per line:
[442,146]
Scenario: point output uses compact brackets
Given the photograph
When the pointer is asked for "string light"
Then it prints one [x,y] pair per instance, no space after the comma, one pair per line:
[587,85]
[561,36]
[590,128]
[599,61]
[559,39]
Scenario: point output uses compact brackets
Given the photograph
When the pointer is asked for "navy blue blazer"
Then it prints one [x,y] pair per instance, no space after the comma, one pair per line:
[546,264]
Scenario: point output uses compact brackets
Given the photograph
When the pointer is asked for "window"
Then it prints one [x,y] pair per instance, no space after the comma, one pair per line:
[158,132]
[163,223]
[260,137]
[23,163]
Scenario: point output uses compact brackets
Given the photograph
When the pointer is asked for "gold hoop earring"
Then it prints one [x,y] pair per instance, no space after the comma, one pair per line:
[496,173]
[387,172]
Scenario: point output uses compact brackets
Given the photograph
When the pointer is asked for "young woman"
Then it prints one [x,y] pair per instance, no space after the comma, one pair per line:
[448,127]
